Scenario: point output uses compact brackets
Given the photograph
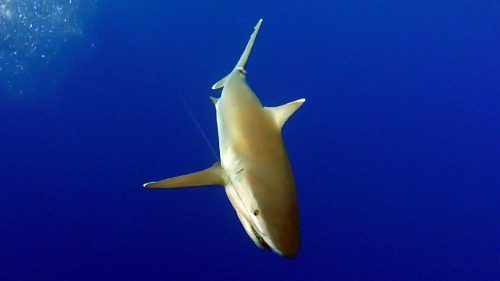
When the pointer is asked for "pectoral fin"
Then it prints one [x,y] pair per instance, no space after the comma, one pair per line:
[211,176]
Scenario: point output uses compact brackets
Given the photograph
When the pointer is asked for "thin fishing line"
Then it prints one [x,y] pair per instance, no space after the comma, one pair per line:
[188,109]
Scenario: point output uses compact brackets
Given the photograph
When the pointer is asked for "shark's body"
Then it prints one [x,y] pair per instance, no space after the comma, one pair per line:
[254,167]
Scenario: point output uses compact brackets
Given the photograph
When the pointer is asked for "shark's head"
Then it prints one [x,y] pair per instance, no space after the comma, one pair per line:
[278,228]
[269,217]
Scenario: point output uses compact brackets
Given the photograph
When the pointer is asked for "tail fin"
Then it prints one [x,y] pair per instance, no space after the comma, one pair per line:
[244,57]
[248,49]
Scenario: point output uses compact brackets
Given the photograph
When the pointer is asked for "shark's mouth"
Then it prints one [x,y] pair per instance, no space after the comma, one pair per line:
[259,237]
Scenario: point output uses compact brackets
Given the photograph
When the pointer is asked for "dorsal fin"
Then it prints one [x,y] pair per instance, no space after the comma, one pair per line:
[283,112]
[211,176]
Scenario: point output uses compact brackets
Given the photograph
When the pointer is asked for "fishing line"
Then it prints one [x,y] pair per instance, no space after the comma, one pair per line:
[200,129]
[188,109]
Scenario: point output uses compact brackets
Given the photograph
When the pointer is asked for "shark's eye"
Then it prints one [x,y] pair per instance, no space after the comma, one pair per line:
[256,212]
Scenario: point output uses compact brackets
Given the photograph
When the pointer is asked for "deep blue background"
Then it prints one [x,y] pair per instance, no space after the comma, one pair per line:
[396,151]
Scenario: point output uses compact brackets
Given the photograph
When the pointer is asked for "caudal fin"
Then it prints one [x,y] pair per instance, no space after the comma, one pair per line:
[244,57]
[248,49]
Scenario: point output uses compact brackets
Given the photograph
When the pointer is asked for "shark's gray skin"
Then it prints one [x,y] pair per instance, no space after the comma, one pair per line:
[254,167]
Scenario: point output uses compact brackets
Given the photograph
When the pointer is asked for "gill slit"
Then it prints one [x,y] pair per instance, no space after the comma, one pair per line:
[248,217]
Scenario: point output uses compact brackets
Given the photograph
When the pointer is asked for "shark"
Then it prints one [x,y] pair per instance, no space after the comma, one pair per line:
[254,167]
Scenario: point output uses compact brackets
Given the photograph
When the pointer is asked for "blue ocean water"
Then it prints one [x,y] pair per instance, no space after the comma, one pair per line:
[396,151]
